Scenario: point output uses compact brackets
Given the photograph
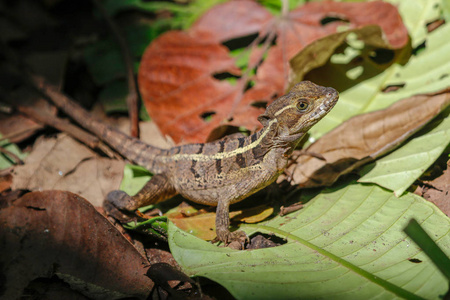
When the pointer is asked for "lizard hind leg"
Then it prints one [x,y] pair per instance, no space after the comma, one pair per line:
[155,190]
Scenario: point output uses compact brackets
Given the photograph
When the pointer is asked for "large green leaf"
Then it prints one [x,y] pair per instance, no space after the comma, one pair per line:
[398,170]
[425,72]
[347,243]
[183,15]
[417,14]
[104,60]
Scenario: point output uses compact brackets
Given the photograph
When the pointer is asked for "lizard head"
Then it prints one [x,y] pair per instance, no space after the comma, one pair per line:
[296,112]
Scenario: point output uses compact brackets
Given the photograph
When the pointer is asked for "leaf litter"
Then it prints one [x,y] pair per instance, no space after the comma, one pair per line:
[241,98]
[65,164]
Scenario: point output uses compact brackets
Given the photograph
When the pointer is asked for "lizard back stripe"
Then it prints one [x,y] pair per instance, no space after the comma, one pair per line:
[205,157]
[284,108]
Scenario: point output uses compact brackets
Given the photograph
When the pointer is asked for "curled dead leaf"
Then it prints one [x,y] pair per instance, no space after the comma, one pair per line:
[365,137]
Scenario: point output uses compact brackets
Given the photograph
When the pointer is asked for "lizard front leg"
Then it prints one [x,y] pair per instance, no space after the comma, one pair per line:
[223,223]
[155,190]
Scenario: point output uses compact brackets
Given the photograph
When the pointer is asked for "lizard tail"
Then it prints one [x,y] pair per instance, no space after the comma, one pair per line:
[129,147]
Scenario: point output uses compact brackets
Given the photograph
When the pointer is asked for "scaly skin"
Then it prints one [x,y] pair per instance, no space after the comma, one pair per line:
[222,172]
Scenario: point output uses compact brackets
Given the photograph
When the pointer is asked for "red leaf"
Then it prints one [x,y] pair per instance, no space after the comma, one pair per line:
[177,69]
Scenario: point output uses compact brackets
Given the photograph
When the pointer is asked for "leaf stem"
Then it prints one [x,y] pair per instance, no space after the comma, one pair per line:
[284,8]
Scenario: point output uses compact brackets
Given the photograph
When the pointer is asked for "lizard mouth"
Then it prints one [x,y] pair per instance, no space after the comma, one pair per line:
[331,98]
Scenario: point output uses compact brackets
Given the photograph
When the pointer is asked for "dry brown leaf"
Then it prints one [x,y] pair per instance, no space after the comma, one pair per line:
[58,233]
[176,71]
[65,164]
[17,128]
[364,138]
[437,191]
[5,182]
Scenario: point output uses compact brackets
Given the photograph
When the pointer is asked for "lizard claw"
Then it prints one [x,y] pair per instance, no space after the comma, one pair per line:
[114,207]
[235,239]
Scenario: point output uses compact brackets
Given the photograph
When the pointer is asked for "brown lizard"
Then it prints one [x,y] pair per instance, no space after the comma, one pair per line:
[218,173]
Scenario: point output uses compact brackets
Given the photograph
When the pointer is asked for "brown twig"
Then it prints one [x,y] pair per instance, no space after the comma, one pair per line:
[294,207]
[46,118]
[103,131]
[133,97]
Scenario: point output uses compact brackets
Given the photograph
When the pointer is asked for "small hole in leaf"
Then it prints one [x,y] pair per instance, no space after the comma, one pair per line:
[225,75]
[382,56]
[259,104]
[443,76]
[249,85]
[240,42]
[415,260]
[392,88]
[207,116]
[419,49]
[331,19]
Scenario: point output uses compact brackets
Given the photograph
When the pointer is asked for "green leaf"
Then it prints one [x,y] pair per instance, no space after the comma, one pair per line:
[113,97]
[347,243]
[5,160]
[155,227]
[398,170]
[183,15]
[104,60]
[417,14]
[425,73]
[115,6]
[275,6]
[446,10]
[424,241]
[134,179]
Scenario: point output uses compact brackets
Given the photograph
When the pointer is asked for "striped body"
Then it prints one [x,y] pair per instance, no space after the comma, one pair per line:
[226,171]
[221,172]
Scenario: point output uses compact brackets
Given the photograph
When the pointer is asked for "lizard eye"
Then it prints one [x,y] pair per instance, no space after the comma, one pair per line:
[302,105]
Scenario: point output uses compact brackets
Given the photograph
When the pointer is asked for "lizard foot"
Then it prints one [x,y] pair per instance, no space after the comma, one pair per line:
[235,239]
[115,206]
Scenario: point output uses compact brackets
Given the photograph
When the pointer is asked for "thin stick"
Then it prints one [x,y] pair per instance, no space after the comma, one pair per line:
[46,118]
[133,97]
